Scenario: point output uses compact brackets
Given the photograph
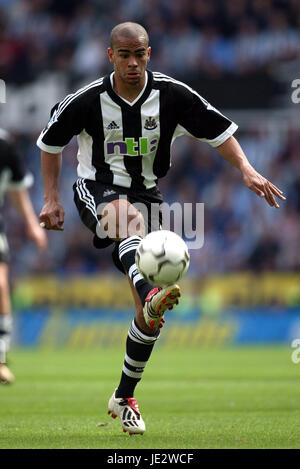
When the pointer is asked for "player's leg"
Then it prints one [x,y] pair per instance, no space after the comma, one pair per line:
[123,222]
[119,221]
[111,217]
[88,196]
[5,324]
[139,345]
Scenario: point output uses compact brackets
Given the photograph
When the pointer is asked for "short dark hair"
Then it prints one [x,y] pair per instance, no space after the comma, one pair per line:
[129,30]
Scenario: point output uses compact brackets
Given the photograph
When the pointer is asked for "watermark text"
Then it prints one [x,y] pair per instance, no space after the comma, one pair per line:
[118,221]
[296,93]
[296,353]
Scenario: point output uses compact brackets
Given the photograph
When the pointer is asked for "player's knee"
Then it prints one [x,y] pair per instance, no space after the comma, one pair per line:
[121,219]
[136,224]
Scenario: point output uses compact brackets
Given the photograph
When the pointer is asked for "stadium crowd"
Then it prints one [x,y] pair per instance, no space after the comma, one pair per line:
[215,37]
[212,38]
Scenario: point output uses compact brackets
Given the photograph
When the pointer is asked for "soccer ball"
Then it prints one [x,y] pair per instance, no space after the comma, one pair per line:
[162,258]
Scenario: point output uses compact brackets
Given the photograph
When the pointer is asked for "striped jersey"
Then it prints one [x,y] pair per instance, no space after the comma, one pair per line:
[128,144]
[12,172]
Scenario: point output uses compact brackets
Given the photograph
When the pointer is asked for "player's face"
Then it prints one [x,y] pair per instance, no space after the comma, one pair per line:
[130,58]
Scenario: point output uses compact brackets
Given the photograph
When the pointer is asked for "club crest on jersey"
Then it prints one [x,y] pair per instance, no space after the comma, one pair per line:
[132,147]
[150,124]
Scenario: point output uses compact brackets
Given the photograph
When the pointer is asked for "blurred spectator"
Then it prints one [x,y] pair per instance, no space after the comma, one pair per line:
[229,36]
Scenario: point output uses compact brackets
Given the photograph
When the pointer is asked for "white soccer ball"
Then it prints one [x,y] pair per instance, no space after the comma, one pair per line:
[162,258]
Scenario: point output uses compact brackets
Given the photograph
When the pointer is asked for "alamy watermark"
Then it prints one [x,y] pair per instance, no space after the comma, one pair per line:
[296,353]
[2,92]
[187,220]
[295,96]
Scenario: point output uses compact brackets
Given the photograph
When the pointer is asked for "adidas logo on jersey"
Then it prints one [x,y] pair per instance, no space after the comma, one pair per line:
[108,192]
[150,124]
[112,126]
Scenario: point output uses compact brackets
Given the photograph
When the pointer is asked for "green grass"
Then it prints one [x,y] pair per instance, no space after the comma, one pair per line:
[190,398]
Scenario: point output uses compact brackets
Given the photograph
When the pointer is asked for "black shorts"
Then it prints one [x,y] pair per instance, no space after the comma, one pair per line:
[4,249]
[88,195]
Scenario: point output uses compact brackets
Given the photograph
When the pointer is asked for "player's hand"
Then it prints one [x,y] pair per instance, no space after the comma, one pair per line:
[37,235]
[52,216]
[261,186]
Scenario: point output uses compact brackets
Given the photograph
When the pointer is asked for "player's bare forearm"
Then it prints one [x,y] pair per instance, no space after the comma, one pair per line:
[232,152]
[51,166]
[52,214]
[22,203]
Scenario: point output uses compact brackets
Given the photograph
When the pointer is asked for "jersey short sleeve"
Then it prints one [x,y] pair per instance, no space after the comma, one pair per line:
[66,120]
[200,119]
[12,170]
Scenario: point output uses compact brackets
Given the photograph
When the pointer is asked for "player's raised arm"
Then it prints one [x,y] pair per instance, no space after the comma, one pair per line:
[52,213]
[232,152]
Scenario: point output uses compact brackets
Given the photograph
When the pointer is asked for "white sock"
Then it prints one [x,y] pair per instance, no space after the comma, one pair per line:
[5,335]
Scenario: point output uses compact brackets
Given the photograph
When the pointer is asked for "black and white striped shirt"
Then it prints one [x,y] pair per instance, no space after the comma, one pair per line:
[128,143]
[12,172]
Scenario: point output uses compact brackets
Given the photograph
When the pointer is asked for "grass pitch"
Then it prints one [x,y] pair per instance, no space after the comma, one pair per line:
[190,398]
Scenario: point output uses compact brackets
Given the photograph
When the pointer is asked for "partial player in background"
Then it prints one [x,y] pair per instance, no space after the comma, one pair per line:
[15,182]
[126,123]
